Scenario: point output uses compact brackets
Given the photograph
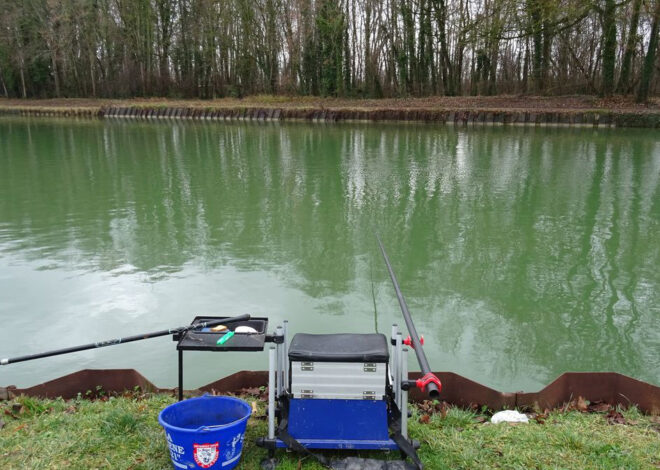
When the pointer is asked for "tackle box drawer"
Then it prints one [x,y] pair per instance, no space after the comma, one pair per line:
[339,366]
[342,380]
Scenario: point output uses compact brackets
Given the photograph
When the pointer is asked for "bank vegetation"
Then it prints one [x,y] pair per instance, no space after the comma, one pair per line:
[122,432]
[347,48]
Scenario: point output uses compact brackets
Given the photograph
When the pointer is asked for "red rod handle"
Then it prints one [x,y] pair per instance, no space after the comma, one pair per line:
[429,378]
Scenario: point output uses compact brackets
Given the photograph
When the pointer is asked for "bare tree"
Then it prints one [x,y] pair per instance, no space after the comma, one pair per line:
[372,48]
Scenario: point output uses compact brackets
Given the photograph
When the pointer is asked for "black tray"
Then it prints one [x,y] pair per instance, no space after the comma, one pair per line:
[204,340]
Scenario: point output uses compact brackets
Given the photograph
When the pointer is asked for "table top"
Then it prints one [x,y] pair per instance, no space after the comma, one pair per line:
[206,340]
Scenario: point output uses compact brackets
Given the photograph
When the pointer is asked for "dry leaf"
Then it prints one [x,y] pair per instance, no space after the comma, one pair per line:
[581,404]
[598,407]
[424,419]
[614,417]
[254,391]
[18,428]
[425,406]
[541,418]
[433,407]
[443,409]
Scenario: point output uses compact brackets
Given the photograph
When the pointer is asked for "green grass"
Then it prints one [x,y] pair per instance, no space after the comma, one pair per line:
[123,433]
[564,440]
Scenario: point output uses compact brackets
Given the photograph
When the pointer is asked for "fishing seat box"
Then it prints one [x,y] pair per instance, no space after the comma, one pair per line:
[338,384]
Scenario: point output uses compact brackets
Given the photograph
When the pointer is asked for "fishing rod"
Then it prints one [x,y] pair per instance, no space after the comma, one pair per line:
[429,381]
[112,342]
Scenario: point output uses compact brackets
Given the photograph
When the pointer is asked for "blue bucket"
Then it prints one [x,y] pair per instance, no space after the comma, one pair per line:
[205,432]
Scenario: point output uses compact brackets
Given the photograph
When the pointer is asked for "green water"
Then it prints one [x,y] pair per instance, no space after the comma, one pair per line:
[523,252]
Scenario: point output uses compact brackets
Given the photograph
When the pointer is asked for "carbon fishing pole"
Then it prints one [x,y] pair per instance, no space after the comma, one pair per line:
[129,339]
[373,296]
[429,381]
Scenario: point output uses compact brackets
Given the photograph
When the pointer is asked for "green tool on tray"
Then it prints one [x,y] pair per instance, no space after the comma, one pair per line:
[225,338]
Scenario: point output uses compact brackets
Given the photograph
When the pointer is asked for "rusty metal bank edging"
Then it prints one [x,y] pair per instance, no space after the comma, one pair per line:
[608,387]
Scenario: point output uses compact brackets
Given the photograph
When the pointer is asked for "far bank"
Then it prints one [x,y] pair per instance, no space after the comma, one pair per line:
[571,111]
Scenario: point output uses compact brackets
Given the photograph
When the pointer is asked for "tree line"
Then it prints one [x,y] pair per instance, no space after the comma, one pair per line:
[352,48]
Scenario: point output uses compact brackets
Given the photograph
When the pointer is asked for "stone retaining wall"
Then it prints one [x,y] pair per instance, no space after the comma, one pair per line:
[573,118]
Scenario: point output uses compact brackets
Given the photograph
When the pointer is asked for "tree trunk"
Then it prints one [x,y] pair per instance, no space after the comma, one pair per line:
[165,10]
[649,60]
[408,53]
[347,56]
[536,28]
[547,34]
[23,89]
[525,68]
[445,63]
[609,46]
[91,72]
[368,71]
[272,42]
[56,75]
[459,55]
[494,49]
[4,86]
[624,79]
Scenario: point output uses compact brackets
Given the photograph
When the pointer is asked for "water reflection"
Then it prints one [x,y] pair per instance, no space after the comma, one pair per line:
[524,253]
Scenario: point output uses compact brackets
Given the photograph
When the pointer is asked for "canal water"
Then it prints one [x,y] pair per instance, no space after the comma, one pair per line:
[523,252]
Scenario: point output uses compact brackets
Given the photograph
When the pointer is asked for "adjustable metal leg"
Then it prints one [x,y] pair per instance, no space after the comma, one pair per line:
[394,363]
[404,394]
[285,355]
[180,374]
[271,392]
[399,372]
[279,331]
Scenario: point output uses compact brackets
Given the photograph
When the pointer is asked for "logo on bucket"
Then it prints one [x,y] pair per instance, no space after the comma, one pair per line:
[230,453]
[206,454]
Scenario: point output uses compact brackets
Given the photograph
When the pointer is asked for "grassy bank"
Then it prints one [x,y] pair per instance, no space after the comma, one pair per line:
[123,433]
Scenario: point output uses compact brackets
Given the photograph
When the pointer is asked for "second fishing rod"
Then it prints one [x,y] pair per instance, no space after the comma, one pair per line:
[127,339]
[429,382]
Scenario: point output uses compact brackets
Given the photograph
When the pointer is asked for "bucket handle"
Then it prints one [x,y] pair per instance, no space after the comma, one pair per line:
[215,426]
[210,428]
